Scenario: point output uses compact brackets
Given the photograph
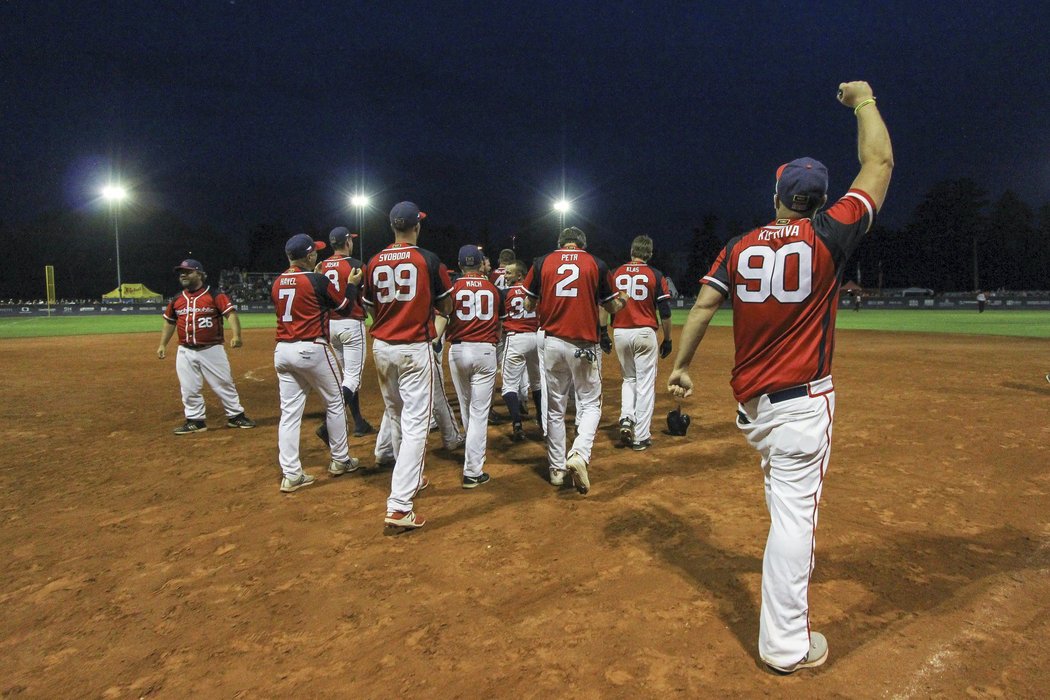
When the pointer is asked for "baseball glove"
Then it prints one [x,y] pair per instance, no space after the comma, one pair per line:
[678,422]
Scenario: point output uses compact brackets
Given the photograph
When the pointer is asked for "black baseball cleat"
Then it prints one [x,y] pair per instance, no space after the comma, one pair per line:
[472,482]
[519,432]
[642,445]
[363,428]
[322,433]
[524,409]
[626,432]
[495,418]
[240,421]
[191,426]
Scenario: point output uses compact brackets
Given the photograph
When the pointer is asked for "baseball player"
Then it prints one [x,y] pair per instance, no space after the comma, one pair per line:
[347,328]
[567,286]
[472,333]
[783,279]
[196,315]
[521,362]
[405,284]
[304,359]
[498,276]
[634,329]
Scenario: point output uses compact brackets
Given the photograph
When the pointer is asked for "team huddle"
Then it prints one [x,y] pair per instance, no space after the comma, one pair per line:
[543,329]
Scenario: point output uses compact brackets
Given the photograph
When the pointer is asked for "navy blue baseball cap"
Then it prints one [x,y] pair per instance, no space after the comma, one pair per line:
[300,245]
[189,264]
[405,215]
[802,184]
[340,235]
[470,256]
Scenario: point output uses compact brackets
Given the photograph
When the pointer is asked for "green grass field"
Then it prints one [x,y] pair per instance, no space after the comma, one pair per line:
[1023,324]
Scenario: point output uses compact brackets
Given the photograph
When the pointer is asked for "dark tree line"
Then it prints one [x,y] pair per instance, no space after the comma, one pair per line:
[956,239]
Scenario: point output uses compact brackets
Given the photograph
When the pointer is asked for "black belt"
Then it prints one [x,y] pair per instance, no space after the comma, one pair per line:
[199,347]
[304,340]
[794,392]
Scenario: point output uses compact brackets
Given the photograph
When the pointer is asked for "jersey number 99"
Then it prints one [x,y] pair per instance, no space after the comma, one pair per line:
[396,283]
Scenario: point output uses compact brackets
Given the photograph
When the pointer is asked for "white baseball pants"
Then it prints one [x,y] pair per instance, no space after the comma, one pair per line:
[521,364]
[348,341]
[793,438]
[211,364]
[474,376]
[406,378]
[541,336]
[565,373]
[300,366]
[637,350]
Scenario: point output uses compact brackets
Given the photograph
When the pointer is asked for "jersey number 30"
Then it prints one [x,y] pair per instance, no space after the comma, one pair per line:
[470,305]
[785,273]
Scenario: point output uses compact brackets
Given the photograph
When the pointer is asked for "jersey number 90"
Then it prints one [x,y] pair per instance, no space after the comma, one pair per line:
[396,283]
[785,273]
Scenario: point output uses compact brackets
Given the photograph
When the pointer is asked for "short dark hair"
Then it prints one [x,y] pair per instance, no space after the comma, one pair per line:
[572,235]
[642,248]
[506,256]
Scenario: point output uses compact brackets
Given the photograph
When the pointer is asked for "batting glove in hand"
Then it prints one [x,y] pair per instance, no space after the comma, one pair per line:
[437,346]
[605,341]
[665,348]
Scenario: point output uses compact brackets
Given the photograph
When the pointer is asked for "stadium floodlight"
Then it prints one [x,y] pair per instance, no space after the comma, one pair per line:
[562,206]
[115,194]
[360,202]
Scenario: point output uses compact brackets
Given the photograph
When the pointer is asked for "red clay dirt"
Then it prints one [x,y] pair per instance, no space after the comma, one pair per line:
[141,564]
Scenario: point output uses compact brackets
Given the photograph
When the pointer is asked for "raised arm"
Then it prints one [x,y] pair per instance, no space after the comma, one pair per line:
[873,141]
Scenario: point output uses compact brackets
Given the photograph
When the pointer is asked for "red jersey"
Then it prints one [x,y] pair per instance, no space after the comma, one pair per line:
[404,283]
[569,283]
[784,282]
[516,319]
[475,310]
[646,289]
[498,277]
[198,316]
[338,269]
[302,300]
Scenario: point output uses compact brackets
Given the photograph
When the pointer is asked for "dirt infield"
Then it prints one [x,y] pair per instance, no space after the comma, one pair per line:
[140,564]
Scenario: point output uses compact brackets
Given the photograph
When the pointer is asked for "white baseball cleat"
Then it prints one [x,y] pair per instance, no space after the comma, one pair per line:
[404,521]
[337,468]
[818,654]
[577,468]
[289,485]
[557,477]
[457,443]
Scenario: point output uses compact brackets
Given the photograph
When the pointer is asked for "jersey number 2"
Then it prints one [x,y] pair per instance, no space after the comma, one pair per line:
[772,273]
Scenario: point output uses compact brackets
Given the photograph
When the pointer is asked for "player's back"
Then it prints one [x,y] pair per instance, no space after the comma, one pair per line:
[475,310]
[301,300]
[337,269]
[516,318]
[402,285]
[570,283]
[644,287]
[783,279]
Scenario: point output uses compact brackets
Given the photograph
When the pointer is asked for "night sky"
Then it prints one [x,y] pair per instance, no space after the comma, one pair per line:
[231,113]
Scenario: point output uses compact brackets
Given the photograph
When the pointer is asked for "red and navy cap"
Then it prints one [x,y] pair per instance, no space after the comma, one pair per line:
[191,265]
[802,184]
[340,235]
[300,245]
[405,215]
